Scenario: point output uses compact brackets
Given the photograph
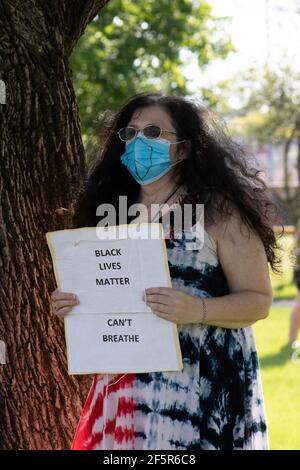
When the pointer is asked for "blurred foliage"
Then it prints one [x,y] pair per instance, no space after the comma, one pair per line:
[272,109]
[271,114]
[264,106]
[260,103]
[131,47]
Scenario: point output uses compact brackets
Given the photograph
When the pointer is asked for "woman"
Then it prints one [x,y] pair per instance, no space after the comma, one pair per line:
[164,148]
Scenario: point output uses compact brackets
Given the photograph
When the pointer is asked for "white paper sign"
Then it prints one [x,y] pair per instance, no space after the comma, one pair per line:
[112,330]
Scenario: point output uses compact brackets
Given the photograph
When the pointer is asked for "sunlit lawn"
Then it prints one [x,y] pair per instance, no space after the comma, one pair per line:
[280,376]
[281,380]
[283,286]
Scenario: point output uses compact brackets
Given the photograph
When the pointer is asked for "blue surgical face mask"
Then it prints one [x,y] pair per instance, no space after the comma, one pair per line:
[147,159]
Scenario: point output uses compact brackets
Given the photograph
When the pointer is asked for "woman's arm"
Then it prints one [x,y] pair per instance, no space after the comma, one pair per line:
[244,262]
[236,310]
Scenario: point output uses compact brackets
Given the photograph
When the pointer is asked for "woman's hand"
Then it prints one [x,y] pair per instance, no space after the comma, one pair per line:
[173,305]
[62,302]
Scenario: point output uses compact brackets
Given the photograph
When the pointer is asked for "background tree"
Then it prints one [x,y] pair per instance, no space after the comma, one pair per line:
[136,46]
[272,115]
[41,163]
[267,111]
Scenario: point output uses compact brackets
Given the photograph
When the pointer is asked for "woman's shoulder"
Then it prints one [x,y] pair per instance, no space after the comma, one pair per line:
[230,227]
[212,233]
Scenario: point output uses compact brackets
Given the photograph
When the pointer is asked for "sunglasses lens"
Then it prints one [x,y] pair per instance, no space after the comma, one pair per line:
[152,132]
[127,133]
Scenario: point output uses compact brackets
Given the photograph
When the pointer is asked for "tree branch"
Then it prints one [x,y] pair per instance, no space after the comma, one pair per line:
[78,13]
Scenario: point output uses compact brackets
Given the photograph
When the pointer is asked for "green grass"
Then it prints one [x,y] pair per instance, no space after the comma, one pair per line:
[281,380]
[283,285]
[280,376]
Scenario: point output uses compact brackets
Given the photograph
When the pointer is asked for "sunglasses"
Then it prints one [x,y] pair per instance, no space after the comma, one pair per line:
[150,132]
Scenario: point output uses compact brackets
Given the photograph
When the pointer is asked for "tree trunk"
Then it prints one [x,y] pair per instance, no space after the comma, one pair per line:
[41,165]
[286,172]
[298,152]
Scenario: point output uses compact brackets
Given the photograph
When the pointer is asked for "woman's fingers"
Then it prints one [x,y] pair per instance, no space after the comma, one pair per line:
[158,308]
[62,312]
[168,291]
[158,298]
[63,302]
[58,295]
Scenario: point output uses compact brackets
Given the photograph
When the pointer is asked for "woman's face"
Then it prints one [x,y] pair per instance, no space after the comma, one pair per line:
[153,115]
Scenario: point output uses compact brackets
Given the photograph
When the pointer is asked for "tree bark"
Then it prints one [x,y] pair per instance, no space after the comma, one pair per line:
[41,165]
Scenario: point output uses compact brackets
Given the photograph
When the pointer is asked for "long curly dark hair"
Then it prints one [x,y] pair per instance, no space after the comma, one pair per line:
[215,171]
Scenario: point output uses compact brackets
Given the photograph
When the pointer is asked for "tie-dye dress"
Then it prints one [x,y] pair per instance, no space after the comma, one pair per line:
[214,402]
